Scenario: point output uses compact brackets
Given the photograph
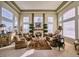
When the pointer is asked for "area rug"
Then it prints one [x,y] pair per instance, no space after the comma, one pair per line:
[39,45]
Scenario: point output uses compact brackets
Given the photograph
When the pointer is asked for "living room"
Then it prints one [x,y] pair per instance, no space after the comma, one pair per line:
[28,28]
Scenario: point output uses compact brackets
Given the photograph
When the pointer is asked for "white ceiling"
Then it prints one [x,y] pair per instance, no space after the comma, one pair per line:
[38,5]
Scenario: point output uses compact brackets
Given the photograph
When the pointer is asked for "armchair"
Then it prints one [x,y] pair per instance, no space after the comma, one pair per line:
[19,42]
[76,44]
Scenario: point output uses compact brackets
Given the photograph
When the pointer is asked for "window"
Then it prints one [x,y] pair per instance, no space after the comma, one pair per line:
[7,19]
[26,20]
[26,24]
[7,14]
[69,24]
[9,25]
[50,24]
[38,22]
[69,29]
[69,14]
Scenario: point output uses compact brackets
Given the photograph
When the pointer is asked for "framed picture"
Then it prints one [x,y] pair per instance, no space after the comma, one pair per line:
[38,22]
[37,25]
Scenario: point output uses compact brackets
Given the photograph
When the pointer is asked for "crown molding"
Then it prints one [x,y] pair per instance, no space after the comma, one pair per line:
[61,5]
[64,6]
[12,6]
[40,10]
[16,7]
[33,10]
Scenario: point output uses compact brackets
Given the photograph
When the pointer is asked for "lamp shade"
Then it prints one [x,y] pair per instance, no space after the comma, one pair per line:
[2,25]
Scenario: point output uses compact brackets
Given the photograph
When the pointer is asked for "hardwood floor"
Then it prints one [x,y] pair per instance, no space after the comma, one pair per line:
[10,51]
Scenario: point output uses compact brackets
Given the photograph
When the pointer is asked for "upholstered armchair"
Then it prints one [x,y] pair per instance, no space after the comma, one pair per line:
[76,44]
[19,42]
[4,40]
[77,49]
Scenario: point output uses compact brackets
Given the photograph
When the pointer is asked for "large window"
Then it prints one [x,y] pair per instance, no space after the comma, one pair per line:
[7,19]
[50,24]
[7,14]
[38,22]
[9,24]
[69,23]
[26,24]
[69,29]
[69,14]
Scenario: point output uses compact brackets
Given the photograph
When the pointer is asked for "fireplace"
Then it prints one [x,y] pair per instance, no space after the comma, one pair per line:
[38,31]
